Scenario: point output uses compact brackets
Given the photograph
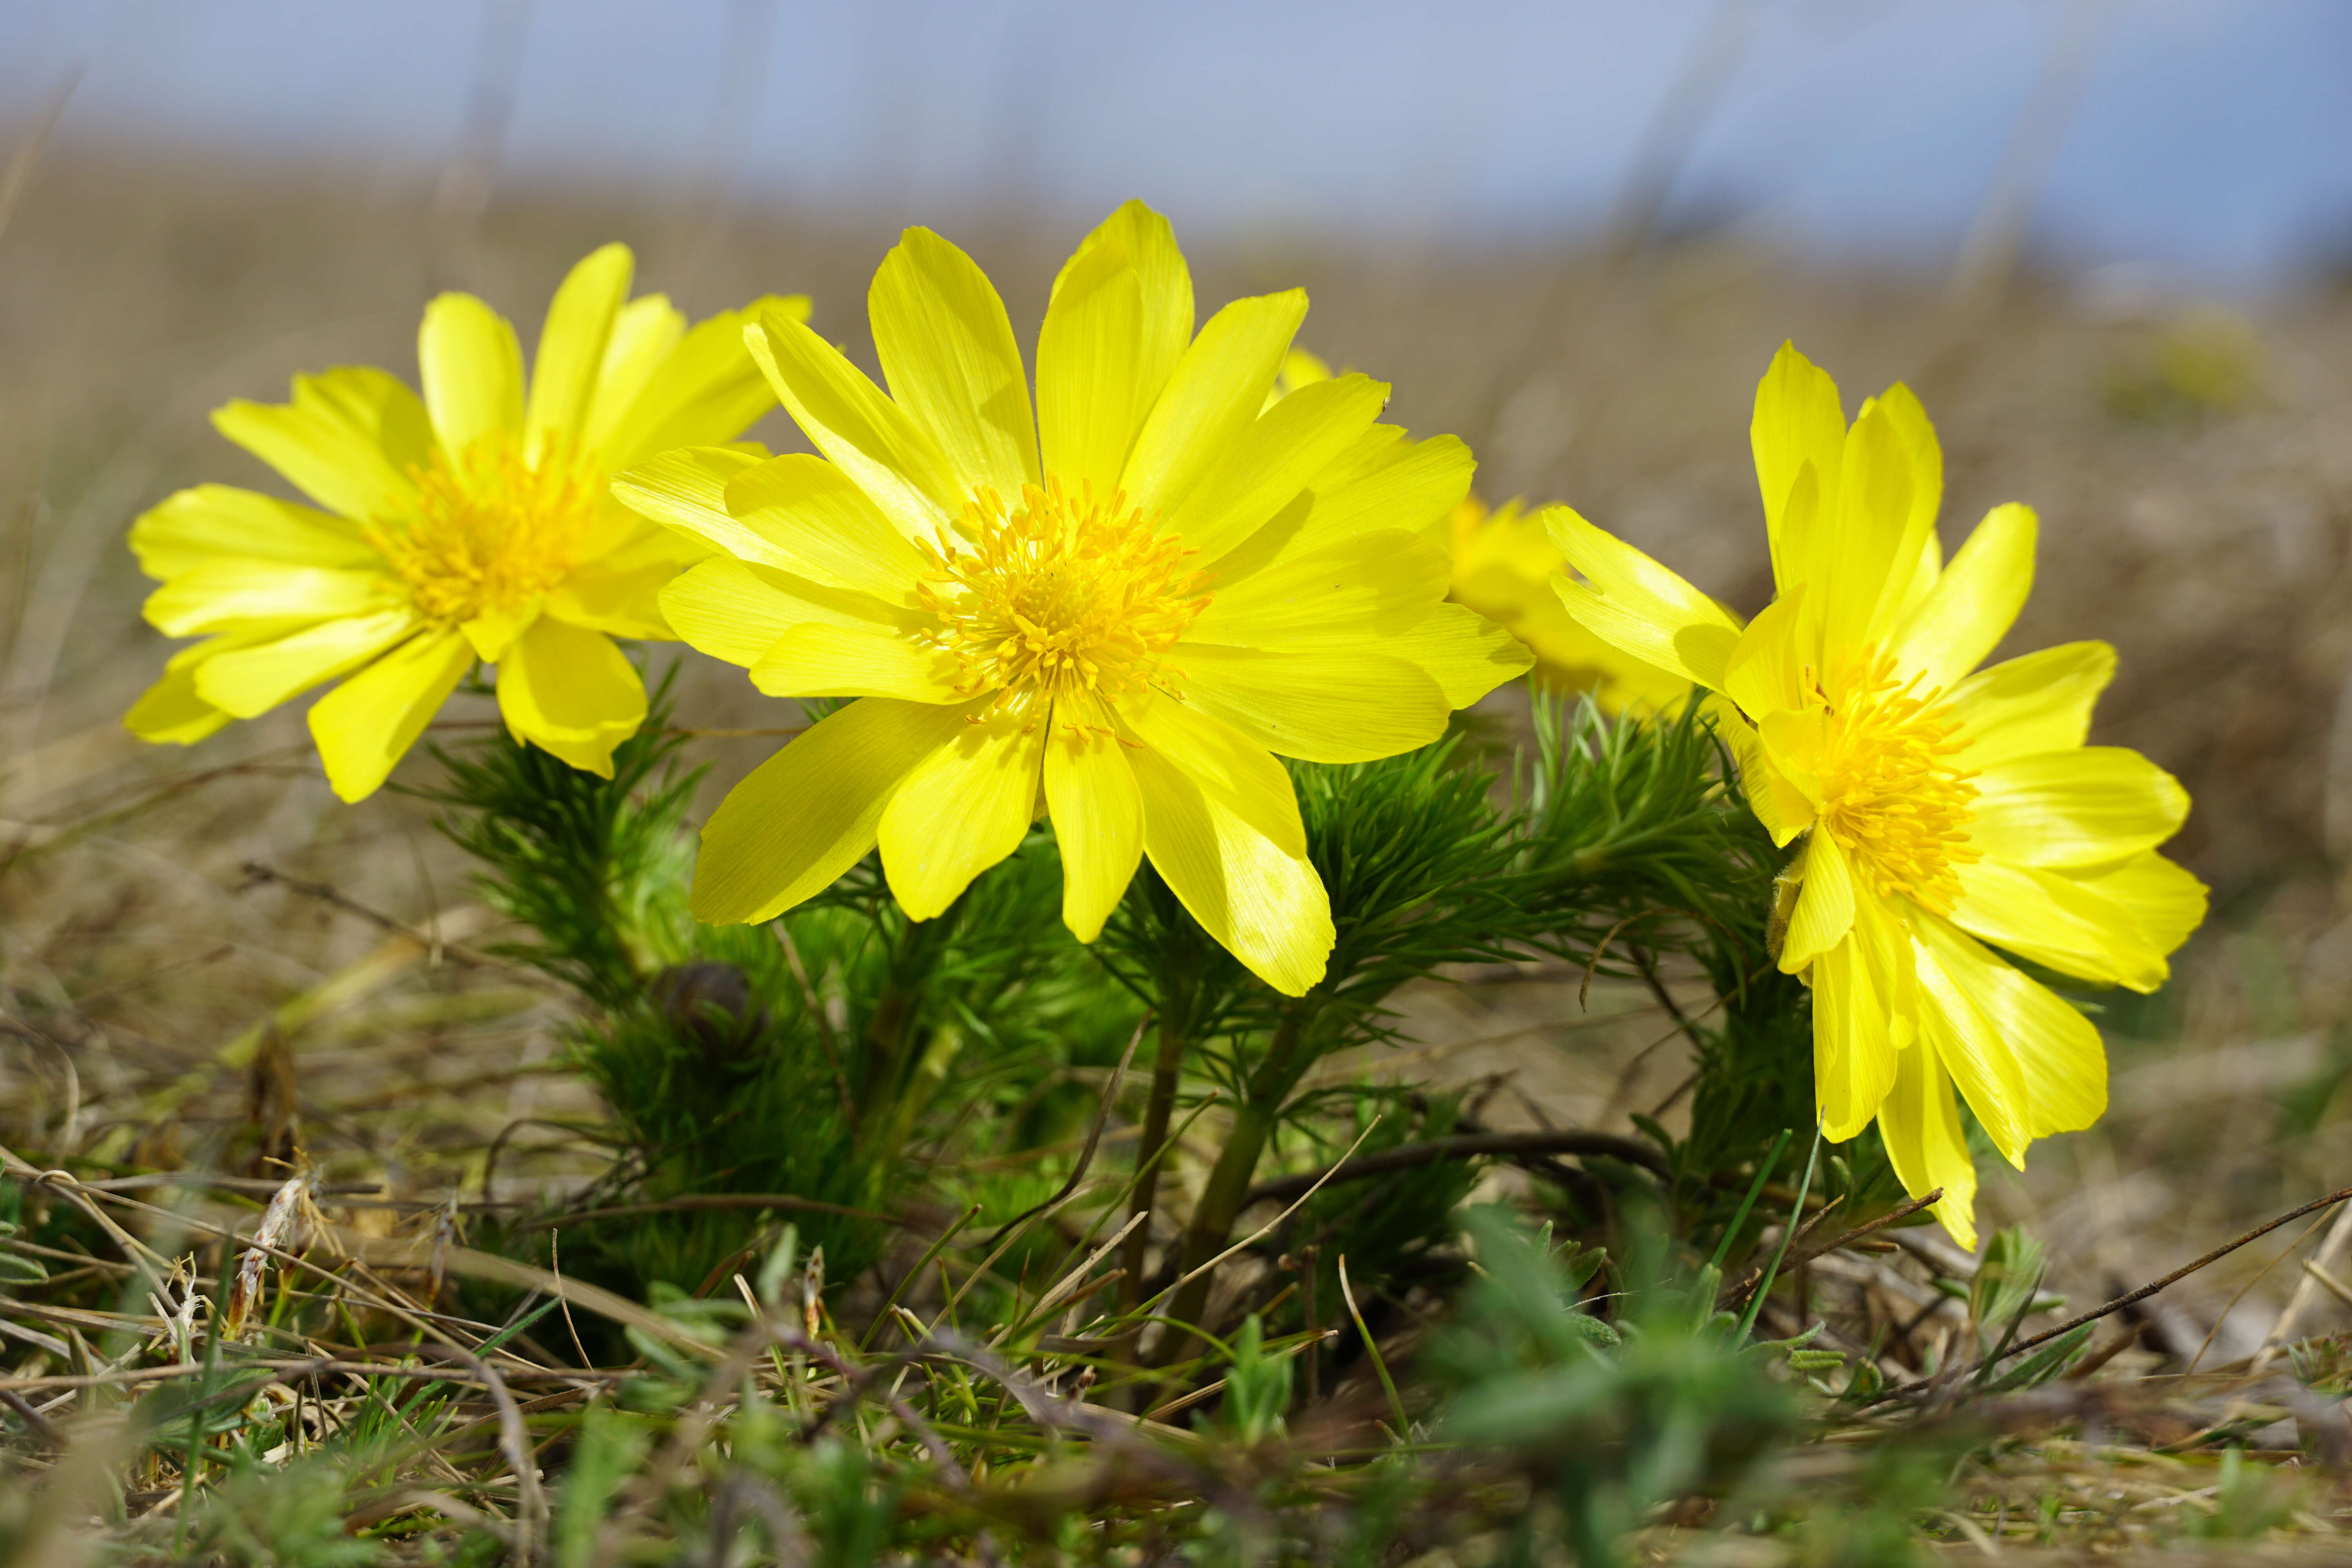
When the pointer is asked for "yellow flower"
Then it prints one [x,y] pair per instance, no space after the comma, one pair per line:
[1503,567]
[1503,562]
[474,523]
[1948,817]
[1120,610]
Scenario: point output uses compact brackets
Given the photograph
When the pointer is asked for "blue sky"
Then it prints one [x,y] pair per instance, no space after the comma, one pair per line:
[2211,138]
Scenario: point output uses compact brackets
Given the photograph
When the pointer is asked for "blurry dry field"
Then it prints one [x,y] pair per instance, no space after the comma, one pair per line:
[164,1001]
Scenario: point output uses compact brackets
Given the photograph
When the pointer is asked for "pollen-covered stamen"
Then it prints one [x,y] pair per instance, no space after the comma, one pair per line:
[491,531]
[1067,593]
[1890,793]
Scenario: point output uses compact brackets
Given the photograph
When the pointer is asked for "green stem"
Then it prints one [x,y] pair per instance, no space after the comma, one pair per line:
[884,1077]
[1788,1234]
[1157,1113]
[1286,1060]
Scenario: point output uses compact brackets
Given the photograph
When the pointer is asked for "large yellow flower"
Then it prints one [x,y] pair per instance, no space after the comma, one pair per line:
[1945,814]
[1125,606]
[474,523]
[1503,562]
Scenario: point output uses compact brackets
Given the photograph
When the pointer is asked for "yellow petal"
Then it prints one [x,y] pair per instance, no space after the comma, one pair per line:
[1636,605]
[2039,703]
[947,349]
[1959,983]
[1267,465]
[735,611]
[964,807]
[1798,421]
[801,514]
[619,604]
[1908,580]
[1410,485]
[170,710]
[366,725]
[885,453]
[1853,1046]
[2059,1053]
[705,392]
[572,343]
[818,659]
[1921,1125]
[1974,603]
[1322,707]
[1824,912]
[1370,585]
[1266,906]
[1466,654]
[1875,535]
[221,594]
[572,692]
[2086,808]
[348,440]
[646,332]
[1214,394]
[1235,773]
[472,369]
[1766,672]
[1120,315]
[1097,813]
[1782,807]
[195,526]
[248,682]
[811,812]
[2166,902]
[2048,919]
[686,490]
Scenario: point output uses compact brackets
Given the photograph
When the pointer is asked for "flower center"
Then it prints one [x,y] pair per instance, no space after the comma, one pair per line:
[1066,595]
[1890,795]
[490,532]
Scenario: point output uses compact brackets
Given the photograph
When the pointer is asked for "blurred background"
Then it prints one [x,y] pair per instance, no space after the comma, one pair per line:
[2108,241]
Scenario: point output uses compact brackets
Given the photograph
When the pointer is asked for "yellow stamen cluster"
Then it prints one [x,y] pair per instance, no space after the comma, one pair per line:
[489,533]
[1067,593]
[1890,795]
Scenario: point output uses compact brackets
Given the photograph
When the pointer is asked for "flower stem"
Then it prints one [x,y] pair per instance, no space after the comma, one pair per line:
[1159,1111]
[1294,1049]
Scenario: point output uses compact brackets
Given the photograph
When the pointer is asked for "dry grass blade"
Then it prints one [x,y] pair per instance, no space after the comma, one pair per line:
[2183,1272]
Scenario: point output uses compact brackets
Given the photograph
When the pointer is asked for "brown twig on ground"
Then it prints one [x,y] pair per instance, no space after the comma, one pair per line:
[1468,1145]
[713,1201]
[2178,1275]
[259,875]
[1901,1211]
